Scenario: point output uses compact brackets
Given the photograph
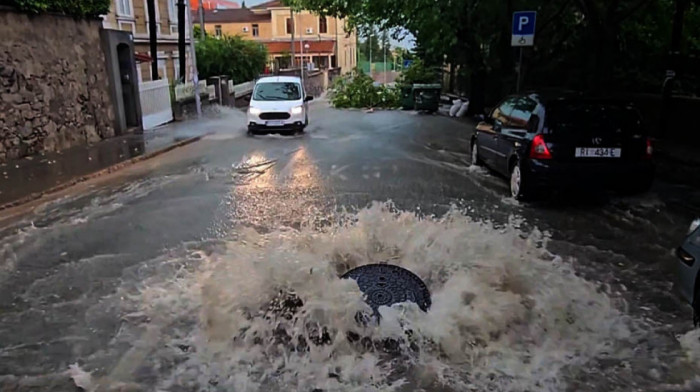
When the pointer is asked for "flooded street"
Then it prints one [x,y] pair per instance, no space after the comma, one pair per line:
[160,277]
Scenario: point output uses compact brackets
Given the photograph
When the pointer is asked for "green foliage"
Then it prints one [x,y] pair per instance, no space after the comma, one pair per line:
[599,45]
[197,30]
[359,91]
[242,60]
[79,8]
[419,73]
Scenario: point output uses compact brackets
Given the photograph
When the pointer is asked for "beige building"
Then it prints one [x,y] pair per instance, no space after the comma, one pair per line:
[321,40]
[132,16]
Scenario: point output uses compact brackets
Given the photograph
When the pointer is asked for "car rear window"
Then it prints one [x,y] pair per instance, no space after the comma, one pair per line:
[599,118]
[278,91]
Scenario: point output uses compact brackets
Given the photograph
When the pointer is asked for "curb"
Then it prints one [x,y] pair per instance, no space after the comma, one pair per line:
[99,173]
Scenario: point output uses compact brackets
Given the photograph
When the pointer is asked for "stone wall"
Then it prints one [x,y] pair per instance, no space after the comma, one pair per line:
[54,88]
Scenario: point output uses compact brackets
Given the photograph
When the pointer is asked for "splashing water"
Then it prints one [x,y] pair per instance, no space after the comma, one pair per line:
[506,314]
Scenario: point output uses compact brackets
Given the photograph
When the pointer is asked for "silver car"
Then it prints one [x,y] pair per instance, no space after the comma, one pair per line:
[689,268]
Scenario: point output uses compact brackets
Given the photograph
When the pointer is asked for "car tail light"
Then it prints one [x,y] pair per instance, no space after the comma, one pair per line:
[685,257]
[649,151]
[538,149]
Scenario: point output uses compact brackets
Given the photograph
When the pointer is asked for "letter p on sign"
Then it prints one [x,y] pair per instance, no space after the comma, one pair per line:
[524,28]
[523,21]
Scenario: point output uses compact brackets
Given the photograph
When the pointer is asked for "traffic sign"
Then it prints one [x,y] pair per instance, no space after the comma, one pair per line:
[523,28]
[407,63]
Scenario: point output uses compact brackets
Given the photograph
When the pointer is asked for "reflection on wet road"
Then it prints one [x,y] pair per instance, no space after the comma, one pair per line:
[160,278]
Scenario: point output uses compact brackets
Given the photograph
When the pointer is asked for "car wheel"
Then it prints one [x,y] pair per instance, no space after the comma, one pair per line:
[476,160]
[519,185]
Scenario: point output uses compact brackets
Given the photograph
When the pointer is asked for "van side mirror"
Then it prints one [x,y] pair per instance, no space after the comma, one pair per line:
[308,98]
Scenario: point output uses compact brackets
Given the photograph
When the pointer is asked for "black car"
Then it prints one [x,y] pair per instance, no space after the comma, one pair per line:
[543,141]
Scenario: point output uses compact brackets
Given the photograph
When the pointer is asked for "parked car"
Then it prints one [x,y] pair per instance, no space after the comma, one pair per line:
[279,104]
[545,141]
[689,269]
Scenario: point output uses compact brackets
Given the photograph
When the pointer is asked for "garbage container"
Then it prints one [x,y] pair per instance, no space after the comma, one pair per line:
[427,96]
[407,101]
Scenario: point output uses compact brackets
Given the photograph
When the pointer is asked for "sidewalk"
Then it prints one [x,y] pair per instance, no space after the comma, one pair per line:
[29,178]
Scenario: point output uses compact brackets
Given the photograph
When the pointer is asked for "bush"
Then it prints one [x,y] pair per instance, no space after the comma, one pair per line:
[419,73]
[240,59]
[79,8]
[359,91]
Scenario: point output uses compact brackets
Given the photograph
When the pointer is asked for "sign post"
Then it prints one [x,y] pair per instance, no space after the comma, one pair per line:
[523,35]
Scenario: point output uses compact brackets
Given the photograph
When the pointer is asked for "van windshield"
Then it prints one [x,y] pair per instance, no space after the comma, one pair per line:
[280,91]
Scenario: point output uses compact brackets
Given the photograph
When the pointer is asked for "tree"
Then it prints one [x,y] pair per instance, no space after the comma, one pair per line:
[585,44]
[242,60]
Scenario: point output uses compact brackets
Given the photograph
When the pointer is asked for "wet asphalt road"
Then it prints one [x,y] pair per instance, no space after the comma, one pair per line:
[63,263]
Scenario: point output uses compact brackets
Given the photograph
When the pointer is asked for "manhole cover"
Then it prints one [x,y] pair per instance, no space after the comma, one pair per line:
[385,285]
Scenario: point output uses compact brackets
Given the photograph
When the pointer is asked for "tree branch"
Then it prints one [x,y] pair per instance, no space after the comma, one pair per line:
[556,15]
[632,10]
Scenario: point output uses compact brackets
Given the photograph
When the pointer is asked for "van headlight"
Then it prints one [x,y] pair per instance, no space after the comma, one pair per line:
[254,111]
[297,110]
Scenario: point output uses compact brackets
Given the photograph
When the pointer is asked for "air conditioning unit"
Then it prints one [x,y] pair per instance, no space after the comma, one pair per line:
[246,29]
[173,30]
[309,30]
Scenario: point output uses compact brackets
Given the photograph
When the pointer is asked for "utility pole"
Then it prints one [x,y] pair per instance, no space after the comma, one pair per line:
[301,48]
[202,32]
[384,44]
[153,37]
[181,40]
[193,55]
[336,42]
[291,18]
[370,50]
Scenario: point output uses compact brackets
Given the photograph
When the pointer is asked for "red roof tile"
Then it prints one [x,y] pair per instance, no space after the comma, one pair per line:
[278,47]
[240,15]
[213,4]
[269,4]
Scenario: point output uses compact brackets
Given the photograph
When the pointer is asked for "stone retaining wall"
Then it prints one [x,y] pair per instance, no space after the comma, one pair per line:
[54,88]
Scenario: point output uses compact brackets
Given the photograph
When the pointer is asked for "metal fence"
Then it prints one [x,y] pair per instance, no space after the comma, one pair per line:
[156,108]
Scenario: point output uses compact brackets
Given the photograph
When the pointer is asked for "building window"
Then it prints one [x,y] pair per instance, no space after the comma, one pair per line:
[172,10]
[256,30]
[217,31]
[162,69]
[124,8]
[145,8]
[176,68]
[290,26]
[322,25]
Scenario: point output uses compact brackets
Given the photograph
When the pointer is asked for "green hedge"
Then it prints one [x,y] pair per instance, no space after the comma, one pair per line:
[79,8]
[360,91]
[242,60]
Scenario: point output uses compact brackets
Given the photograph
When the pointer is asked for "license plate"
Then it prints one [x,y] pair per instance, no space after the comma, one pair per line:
[274,123]
[598,152]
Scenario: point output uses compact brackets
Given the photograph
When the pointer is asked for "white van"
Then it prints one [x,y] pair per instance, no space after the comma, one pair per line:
[279,103]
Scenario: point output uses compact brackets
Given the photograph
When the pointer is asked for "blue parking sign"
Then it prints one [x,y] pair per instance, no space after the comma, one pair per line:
[524,28]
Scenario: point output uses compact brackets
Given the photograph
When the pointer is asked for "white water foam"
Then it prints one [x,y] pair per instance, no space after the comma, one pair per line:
[507,315]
